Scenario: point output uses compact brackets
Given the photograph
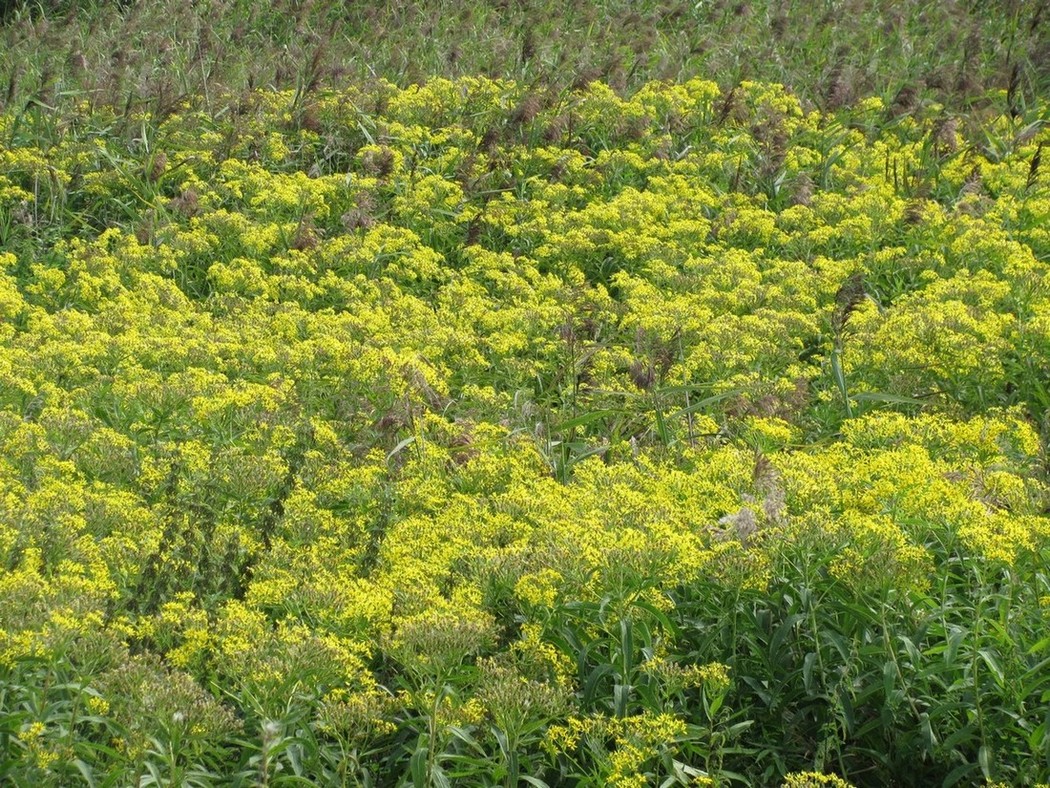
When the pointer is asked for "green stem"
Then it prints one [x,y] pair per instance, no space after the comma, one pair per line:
[840,377]
[512,762]
[432,735]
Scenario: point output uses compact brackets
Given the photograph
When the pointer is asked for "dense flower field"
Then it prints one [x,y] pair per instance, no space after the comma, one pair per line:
[465,434]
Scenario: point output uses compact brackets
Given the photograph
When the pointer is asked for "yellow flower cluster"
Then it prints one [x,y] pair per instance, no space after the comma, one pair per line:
[629,744]
[362,402]
[813,780]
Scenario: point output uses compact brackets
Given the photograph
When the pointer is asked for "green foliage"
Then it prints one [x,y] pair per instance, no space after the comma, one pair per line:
[463,433]
[158,54]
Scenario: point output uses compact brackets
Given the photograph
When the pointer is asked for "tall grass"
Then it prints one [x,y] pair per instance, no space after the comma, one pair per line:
[830,54]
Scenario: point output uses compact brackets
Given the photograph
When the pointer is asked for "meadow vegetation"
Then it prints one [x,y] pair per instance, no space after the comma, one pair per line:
[523,425]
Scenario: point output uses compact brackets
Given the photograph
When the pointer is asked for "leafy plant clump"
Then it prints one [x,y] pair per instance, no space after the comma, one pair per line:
[474,433]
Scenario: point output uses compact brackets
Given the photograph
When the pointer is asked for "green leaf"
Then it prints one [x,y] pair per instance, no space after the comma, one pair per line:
[439,778]
[984,757]
[417,765]
[464,736]
[988,657]
[1041,645]
[1037,737]
[713,706]
[927,732]
[807,671]
[959,736]
[590,686]
[913,651]
[891,399]
[85,772]
[621,698]
[400,447]
[707,402]
[956,775]
[668,626]
[848,712]
[627,647]
[889,680]
[783,631]
[739,727]
[584,419]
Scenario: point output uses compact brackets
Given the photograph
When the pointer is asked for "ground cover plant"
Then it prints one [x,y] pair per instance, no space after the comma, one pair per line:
[490,431]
